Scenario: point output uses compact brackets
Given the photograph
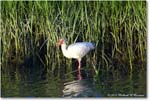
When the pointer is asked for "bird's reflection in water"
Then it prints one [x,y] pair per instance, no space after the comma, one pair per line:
[80,88]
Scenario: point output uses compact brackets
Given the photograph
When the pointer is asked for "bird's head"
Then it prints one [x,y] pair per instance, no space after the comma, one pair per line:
[60,42]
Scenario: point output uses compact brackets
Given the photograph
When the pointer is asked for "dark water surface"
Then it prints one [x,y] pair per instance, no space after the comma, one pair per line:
[36,82]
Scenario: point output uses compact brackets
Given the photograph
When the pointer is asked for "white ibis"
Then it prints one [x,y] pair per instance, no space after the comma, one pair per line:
[77,50]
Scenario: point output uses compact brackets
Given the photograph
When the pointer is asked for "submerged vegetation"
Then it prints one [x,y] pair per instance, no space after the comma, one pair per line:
[30,29]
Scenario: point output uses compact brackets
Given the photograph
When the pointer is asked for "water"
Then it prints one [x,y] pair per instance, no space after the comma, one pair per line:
[38,82]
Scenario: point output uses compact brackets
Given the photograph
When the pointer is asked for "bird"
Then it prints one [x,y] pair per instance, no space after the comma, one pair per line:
[76,50]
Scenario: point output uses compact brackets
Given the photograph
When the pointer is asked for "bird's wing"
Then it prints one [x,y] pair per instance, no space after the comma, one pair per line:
[80,49]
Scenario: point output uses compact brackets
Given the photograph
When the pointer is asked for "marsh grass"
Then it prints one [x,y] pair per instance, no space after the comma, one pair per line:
[32,28]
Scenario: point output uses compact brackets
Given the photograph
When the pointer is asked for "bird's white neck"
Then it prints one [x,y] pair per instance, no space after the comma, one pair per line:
[64,50]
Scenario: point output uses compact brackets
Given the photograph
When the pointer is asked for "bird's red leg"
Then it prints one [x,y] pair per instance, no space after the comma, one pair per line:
[79,64]
[79,67]
[79,75]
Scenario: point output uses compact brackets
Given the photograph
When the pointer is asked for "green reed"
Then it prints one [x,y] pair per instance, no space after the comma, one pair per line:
[118,28]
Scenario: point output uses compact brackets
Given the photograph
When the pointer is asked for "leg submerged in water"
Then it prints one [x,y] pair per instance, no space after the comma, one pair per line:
[79,75]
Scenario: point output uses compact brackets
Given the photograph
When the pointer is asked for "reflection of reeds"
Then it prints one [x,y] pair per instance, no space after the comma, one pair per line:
[117,28]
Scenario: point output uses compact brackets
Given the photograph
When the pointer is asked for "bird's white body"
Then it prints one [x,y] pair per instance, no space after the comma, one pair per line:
[77,50]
